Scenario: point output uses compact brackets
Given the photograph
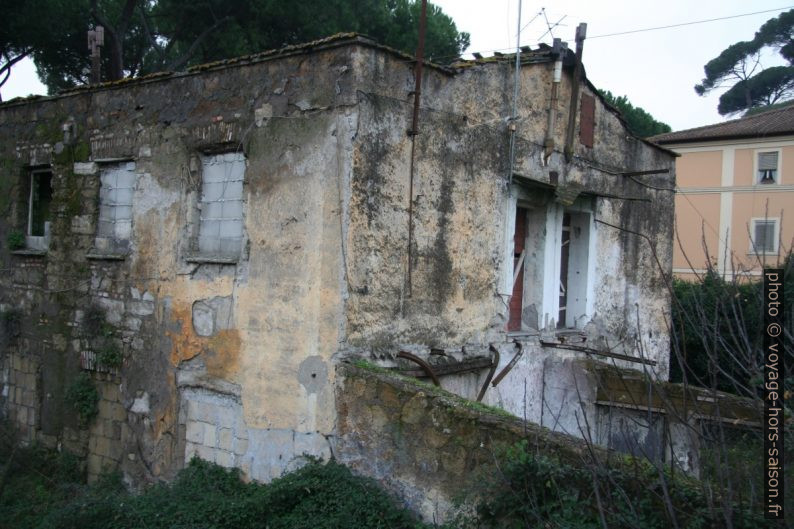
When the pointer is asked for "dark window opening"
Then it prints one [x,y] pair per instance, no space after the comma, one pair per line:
[517,298]
[39,202]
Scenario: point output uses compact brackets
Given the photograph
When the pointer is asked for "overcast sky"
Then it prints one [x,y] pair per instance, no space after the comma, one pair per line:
[655,69]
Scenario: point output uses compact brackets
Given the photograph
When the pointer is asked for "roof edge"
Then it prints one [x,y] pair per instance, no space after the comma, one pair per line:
[334,41]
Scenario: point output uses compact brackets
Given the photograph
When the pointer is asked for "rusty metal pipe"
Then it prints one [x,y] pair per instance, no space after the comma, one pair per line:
[494,365]
[424,365]
[548,143]
[503,373]
[581,33]
[420,55]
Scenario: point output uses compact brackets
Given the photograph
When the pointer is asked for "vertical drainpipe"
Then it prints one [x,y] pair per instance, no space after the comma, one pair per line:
[581,33]
[420,52]
[514,116]
[548,144]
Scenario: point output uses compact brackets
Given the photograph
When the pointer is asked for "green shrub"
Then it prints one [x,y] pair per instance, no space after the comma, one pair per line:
[15,240]
[109,355]
[206,496]
[533,490]
[84,398]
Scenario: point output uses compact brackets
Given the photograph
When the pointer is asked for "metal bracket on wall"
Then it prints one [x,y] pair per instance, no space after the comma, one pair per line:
[494,365]
[424,365]
[503,373]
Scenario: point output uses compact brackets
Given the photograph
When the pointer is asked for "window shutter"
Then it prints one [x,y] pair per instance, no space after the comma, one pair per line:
[765,236]
[767,161]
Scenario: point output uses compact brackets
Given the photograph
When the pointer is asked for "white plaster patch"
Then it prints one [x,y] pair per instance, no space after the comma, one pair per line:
[141,404]
[85,168]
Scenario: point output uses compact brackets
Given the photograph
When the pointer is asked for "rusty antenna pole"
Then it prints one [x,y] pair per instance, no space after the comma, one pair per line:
[413,132]
[96,38]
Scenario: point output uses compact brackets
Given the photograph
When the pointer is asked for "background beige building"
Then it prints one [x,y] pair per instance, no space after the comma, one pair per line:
[735,192]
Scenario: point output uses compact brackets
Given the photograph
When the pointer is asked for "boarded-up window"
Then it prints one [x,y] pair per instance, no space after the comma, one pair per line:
[117,186]
[587,121]
[221,221]
[764,232]
[767,167]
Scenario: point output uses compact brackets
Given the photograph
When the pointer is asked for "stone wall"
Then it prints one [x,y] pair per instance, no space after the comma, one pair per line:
[20,393]
[424,444]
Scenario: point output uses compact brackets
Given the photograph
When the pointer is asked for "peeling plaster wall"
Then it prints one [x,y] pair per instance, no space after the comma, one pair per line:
[460,207]
[254,335]
[234,359]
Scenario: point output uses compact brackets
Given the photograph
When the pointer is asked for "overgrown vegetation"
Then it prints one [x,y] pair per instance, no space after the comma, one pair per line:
[83,396]
[717,337]
[11,320]
[15,240]
[535,490]
[101,334]
[318,496]
[717,331]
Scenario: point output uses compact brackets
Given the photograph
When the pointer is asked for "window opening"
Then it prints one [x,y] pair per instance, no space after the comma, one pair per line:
[765,240]
[117,186]
[767,167]
[39,202]
[221,219]
[565,243]
[519,252]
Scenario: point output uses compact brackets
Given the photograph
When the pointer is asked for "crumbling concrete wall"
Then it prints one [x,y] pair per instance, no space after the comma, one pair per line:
[460,206]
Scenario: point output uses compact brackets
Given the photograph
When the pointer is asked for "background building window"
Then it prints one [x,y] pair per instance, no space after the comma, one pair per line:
[115,203]
[221,206]
[767,167]
[764,236]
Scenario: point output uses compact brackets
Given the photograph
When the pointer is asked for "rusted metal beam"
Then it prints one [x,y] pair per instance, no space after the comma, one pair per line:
[503,373]
[427,367]
[643,173]
[494,365]
[590,350]
[581,33]
[452,368]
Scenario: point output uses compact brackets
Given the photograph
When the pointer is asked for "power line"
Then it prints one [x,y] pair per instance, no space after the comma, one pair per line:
[637,30]
[688,23]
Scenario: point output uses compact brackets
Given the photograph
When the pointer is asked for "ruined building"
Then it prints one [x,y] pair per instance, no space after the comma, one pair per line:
[208,247]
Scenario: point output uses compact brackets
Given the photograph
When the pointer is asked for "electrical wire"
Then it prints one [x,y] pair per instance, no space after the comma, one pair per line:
[687,23]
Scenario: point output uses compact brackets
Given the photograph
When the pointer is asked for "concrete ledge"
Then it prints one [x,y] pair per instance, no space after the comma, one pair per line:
[211,259]
[30,253]
[101,256]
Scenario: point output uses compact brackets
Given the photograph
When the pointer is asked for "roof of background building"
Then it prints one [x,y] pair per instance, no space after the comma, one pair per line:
[777,122]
